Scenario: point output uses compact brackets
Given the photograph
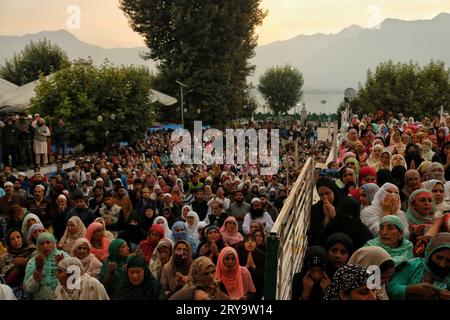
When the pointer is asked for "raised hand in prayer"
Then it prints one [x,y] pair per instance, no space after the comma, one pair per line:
[250,262]
[395,203]
[59,257]
[19,261]
[388,204]
[39,261]
[329,211]
[214,249]
[444,294]
[325,282]
[308,284]
[112,266]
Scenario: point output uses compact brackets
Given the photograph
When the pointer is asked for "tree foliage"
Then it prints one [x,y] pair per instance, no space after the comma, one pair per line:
[36,58]
[83,92]
[281,87]
[405,88]
[205,44]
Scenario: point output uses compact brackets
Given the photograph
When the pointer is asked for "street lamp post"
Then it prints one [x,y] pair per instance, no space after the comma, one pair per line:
[182,85]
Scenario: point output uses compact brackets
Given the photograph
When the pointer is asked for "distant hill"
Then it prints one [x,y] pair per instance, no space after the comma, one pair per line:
[329,63]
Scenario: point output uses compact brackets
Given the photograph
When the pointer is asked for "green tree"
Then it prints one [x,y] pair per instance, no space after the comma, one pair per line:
[205,44]
[101,105]
[281,87]
[36,58]
[405,87]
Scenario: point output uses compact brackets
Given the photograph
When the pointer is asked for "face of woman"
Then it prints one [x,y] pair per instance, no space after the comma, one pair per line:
[405,139]
[30,222]
[325,194]
[348,177]
[437,172]
[190,220]
[397,160]
[72,228]
[185,211]
[46,247]
[376,153]
[231,226]
[154,237]
[213,235]
[362,293]
[259,238]
[82,251]
[368,179]
[423,205]
[413,181]
[62,276]
[16,240]
[36,233]
[338,255]
[123,251]
[250,244]
[98,235]
[386,275]
[442,259]
[438,193]
[149,213]
[136,275]
[390,235]
[164,254]
[229,261]
[385,158]
[207,277]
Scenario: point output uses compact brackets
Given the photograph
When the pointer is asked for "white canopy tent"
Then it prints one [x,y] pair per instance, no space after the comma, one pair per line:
[16,99]
[162,98]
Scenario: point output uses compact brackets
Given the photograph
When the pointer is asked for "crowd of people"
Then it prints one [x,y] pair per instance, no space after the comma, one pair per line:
[131,224]
[383,206]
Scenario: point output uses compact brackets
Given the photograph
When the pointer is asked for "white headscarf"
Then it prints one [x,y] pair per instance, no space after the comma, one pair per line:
[167,231]
[192,231]
[25,221]
[382,193]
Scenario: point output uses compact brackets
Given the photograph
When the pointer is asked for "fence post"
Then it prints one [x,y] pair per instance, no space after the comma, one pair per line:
[271,270]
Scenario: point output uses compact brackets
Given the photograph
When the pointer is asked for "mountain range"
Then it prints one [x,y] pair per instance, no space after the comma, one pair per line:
[329,62]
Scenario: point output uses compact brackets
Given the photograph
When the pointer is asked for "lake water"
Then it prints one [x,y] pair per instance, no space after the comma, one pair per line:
[312,103]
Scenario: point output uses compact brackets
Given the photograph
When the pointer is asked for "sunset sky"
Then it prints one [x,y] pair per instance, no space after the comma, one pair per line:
[103,23]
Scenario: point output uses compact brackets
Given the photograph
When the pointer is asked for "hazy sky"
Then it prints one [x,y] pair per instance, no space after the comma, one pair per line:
[103,23]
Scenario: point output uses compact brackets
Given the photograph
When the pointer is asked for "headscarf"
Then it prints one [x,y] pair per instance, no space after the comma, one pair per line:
[427,152]
[348,277]
[192,231]
[356,163]
[430,184]
[34,228]
[368,256]
[370,190]
[399,156]
[185,207]
[68,239]
[196,277]
[403,251]
[119,272]
[90,264]
[167,231]
[423,168]
[155,263]
[147,246]
[438,176]
[447,191]
[384,176]
[374,161]
[25,221]
[100,253]
[330,184]
[440,241]
[49,270]
[232,280]
[414,217]
[365,172]
[233,237]
[382,193]
[148,289]
[173,268]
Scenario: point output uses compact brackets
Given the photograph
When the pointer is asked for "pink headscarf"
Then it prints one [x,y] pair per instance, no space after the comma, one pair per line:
[100,253]
[232,280]
[233,237]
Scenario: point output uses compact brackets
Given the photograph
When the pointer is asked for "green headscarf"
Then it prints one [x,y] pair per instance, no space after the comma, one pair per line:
[356,163]
[414,217]
[401,253]
[120,272]
[440,241]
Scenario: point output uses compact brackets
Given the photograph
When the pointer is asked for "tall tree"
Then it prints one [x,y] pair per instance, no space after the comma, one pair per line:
[281,87]
[405,87]
[36,58]
[101,105]
[205,44]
